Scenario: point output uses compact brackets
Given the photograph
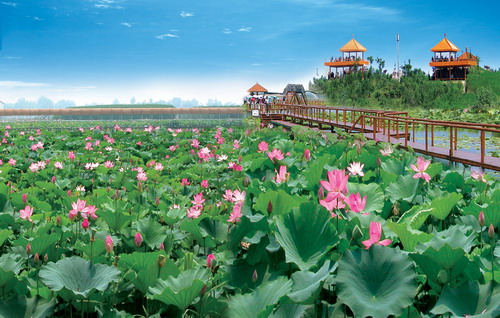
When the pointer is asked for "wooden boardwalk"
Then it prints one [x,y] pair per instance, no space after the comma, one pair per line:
[393,127]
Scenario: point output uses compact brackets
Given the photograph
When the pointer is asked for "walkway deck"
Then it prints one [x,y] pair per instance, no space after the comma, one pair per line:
[393,127]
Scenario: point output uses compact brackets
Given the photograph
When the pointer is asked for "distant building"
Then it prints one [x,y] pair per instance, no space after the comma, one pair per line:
[445,63]
[352,60]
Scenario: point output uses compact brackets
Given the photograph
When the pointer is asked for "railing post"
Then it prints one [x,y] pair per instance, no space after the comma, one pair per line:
[374,127]
[451,142]
[483,146]
[432,135]
[406,133]
[456,138]
[389,130]
[426,138]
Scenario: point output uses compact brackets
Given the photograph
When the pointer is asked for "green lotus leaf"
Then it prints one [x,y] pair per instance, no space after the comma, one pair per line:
[214,228]
[456,236]
[22,307]
[374,195]
[378,282]
[40,243]
[11,263]
[259,303]
[442,206]
[78,275]
[306,234]
[405,188]
[307,285]
[409,237]
[281,202]
[447,260]
[147,268]
[116,220]
[290,310]
[4,235]
[180,291]
[152,232]
[469,300]
[416,216]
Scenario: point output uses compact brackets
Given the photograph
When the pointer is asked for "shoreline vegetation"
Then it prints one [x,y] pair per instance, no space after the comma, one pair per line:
[478,100]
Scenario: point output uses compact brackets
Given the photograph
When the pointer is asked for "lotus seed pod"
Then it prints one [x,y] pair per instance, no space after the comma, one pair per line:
[161,260]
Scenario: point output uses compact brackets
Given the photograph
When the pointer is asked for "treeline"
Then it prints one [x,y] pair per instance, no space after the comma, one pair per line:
[375,88]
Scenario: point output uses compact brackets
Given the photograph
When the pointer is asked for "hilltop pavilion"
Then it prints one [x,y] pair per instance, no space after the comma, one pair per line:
[446,65]
[352,60]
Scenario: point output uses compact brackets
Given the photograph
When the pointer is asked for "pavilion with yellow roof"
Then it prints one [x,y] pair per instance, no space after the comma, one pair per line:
[445,63]
[352,60]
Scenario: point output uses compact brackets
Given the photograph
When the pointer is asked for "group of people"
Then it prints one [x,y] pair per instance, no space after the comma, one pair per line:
[344,59]
[264,101]
[443,59]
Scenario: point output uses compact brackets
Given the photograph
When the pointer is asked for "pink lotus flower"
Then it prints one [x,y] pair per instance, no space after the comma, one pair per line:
[228,195]
[263,146]
[356,203]
[238,196]
[422,165]
[108,243]
[195,143]
[185,182]
[138,239]
[478,175]
[375,234]
[108,164]
[25,198]
[58,165]
[26,213]
[236,144]
[12,162]
[141,176]
[336,185]
[282,176]
[77,206]
[194,212]
[204,184]
[89,211]
[331,203]
[386,151]
[275,154]
[198,199]
[71,155]
[236,215]
[211,261]
[159,166]
[356,168]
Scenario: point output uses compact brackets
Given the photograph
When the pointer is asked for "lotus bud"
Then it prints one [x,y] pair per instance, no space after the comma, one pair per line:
[139,186]
[58,221]
[162,247]
[109,244]
[356,233]
[117,258]
[211,261]
[255,276]
[246,182]
[481,218]
[138,240]
[85,224]
[36,258]
[69,193]
[203,290]
[379,162]
[25,198]
[442,276]
[46,258]
[269,207]
[491,231]
[307,154]
[28,248]
[157,201]
[53,180]
[161,260]
[117,195]
[321,193]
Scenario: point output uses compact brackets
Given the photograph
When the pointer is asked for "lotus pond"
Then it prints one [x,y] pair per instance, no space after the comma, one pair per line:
[251,222]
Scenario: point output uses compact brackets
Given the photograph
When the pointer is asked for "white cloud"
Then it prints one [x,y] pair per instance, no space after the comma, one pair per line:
[12,57]
[102,6]
[128,25]
[37,18]
[73,89]
[167,35]
[226,31]
[256,64]
[245,29]
[19,84]
[10,4]
[185,14]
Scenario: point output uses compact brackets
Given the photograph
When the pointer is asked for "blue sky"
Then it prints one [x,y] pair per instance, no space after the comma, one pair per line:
[98,50]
